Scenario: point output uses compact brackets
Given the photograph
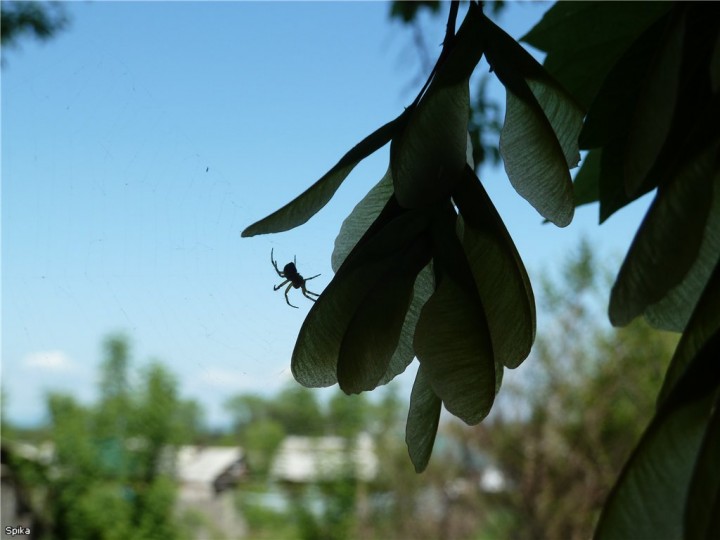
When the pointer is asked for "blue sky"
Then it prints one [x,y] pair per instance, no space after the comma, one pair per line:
[140,142]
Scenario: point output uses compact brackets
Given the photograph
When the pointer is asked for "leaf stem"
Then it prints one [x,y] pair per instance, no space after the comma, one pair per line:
[446,47]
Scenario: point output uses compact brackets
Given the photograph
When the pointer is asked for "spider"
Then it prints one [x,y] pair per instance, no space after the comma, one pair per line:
[293,278]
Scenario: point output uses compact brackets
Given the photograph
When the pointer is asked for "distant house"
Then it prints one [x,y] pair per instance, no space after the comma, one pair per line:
[318,459]
[206,476]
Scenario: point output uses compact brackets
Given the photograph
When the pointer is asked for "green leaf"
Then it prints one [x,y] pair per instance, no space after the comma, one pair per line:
[404,354]
[500,276]
[613,108]
[538,141]
[373,334]
[534,162]
[667,242]
[353,228]
[583,40]
[674,310]
[653,115]
[431,152]
[587,180]
[452,339]
[422,422]
[702,509]
[704,322]
[305,206]
[362,216]
[316,352]
[649,497]
[611,184]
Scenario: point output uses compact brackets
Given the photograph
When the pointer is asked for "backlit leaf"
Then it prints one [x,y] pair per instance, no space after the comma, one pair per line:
[587,180]
[584,40]
[306,205]
[702,510]
[422,422]
[431,152]
[500,276]
[612,110]
[667,242]
[704,322]
[652,118]
[404,354]
[452,339]
[649,497]
[534,161]
[359,220]
[373,334]
[673,311]
[316,352]
[538,141]
[429,155]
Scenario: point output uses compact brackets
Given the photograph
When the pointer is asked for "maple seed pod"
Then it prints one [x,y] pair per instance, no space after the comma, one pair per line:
[430,155]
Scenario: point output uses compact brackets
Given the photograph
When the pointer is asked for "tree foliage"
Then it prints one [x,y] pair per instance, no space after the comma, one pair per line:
[41,20]
[110,476]
[425,267]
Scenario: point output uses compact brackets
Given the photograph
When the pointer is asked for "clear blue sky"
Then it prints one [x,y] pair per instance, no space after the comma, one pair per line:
[138,143]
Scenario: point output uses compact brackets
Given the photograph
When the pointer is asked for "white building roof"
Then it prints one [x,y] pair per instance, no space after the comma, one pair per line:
[309,459]
[205,464]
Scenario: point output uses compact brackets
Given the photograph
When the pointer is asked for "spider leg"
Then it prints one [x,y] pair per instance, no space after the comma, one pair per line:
[308,279]
[286,295]
[276,287]
[306,293]
[274,263]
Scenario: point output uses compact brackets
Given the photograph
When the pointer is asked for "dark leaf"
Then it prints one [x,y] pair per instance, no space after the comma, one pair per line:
[613,108]
[422,422]
[668,241]
[362,216]
[651,496]
[404,354]
[500,276]
[430,154]
[305,206]
[653,115]
[431,151]
[452,339]
[584,40]
[353,228]
[587,180]
[673,311]
[315,357]
[702,509]
[704,322]
[373,334]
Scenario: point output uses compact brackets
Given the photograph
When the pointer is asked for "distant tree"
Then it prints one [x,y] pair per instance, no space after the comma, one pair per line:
[261,423]
[348,415]
[41,20]
[112,476]
[299,412]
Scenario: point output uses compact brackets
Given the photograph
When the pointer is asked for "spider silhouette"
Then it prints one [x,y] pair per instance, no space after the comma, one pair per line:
[293,278]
